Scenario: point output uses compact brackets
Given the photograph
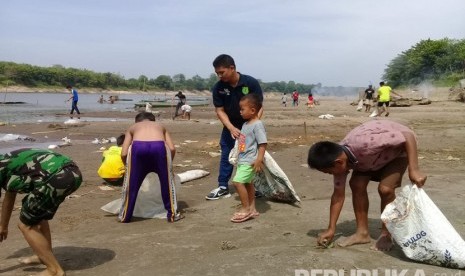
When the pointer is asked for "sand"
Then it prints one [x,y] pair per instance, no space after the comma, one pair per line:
[88,241]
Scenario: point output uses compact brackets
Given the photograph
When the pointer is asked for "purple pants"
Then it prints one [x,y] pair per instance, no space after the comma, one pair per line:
[146,157]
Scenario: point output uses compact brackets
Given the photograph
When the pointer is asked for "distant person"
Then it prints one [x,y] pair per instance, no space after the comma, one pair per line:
[46,178]
[186,111]
[284,99]
[295,98]
[181,101]
[251,148]
[75,98]
[148,107]
[111,99]
[384,98]
[101,99]
[310,101]
[112,168]
[148,141]
[379,151]
[369,92]
[227,93]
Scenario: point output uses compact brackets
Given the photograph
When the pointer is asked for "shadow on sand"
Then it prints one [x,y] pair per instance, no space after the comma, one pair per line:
[69,257]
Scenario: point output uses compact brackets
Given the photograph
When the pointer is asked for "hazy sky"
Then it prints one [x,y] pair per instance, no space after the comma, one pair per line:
[334,42]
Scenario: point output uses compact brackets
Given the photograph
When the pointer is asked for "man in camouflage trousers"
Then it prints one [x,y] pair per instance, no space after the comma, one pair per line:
[47,178]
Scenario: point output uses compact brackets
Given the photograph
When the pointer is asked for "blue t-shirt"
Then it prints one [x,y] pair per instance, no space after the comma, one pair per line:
[228,97]
[251,136]
[75,95]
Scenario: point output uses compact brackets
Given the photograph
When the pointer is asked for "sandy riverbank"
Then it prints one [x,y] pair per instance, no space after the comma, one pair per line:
[88,241]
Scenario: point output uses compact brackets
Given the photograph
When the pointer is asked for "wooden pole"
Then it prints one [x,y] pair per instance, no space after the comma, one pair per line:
[305,129]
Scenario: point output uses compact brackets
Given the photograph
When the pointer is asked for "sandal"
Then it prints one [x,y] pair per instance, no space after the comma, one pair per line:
[241,217]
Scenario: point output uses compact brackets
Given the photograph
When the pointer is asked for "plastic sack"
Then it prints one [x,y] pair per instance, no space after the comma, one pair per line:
[149,203]
[360,105]
[272,182]
[422,231]
[234,154]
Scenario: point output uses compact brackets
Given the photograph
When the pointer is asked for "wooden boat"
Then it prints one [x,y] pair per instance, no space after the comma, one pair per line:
[12,102]
[155,104]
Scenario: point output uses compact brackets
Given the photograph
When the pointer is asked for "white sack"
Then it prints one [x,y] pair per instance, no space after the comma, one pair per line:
[424,233]
[272,182]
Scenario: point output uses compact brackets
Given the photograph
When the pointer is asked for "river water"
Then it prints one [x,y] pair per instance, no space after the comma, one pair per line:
[44,107]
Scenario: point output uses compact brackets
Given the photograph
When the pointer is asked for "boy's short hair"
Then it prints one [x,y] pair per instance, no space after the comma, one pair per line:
[68,86]
[381,83]
[224,61]
[254,100]
[145,116]
[323,154]
[120,140]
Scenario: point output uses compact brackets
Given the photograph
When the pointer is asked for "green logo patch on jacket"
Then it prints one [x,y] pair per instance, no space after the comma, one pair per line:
[245,90]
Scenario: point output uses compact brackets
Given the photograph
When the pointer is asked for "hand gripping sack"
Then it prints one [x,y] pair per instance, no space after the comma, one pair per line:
[234,154]
[422,231]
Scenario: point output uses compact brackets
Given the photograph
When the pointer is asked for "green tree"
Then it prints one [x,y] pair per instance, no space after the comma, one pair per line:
[434,60]
[163,82]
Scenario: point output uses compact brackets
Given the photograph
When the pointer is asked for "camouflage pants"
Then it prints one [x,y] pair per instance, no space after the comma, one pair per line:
[42,203]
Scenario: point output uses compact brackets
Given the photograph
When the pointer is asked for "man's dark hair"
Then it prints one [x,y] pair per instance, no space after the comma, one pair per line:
[120,140]
[254,101]
[223,61]
[145,116]
[69,86]
[381,83]
[323,154]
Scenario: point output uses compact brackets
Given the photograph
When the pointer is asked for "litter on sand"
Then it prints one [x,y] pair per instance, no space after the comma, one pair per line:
[72,122]
[374,113]
[326,116]
[214,154]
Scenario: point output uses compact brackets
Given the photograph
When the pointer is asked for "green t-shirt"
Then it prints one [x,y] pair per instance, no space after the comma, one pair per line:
[25,169]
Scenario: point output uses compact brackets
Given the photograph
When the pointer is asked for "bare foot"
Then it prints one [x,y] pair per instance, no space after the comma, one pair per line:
[354,239]
[34,259]
[384,243]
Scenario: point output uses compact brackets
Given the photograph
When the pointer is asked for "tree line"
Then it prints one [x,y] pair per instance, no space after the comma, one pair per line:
[59,76]
[441,62]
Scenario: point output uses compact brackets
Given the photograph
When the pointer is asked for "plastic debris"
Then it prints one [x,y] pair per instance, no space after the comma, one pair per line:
[326,116]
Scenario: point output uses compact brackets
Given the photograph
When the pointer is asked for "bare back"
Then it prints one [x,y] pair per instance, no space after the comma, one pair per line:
[147,131]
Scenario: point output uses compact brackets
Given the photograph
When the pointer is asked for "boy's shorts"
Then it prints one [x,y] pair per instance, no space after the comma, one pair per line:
[42,203]
[396,166]
[244,174]
[380,104]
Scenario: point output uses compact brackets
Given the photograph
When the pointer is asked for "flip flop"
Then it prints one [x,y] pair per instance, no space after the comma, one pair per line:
[255,214]
[241,217]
